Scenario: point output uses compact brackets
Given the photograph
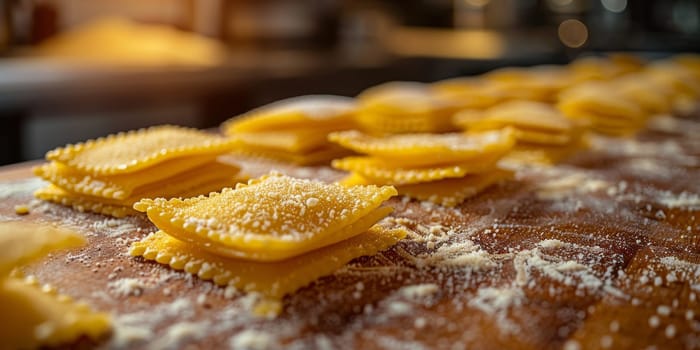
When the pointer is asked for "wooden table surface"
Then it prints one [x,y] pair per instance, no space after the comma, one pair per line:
[600,251]
[17,171]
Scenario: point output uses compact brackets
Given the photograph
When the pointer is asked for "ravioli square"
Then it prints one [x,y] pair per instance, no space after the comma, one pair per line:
[427,149]
[317,112]
[41,319]
[295,141]
[81,203]
[205,179]
[404,107]
[270,218]
[315,156]
[136,150]
[22,242]
[379,171]
[123,186]
[445,192]
[452,192]
[468,92]
[32,316]
[272,279]
[529,115]
[598,98]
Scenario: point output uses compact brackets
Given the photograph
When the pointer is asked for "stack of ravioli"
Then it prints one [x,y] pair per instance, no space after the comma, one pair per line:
[624,95]
[539,83]
[543,134]
[404,107]
[33,315]
[441,168]
[293,130]
[603,107]
[110,174]
[272,235]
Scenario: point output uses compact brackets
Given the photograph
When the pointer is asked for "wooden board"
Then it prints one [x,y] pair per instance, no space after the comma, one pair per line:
[600,251]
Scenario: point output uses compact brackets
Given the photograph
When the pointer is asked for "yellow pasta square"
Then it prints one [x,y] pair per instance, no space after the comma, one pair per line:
[318,112]
[294,141]
[55,194]
[468,93]
[122,186]
[601,99]
[135,150]
[22,242]
[380,171]
[427,149]
[523,115]
[409,98]
[35,318]
[321,155]
[270,218]
[642,91]
[402,107]
[272,279]
[452,192]
[395,122]
[179,186]
[32,317]
[543,137]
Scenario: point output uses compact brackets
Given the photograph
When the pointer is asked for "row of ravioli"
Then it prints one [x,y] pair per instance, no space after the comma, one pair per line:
[447,141]
[398,133]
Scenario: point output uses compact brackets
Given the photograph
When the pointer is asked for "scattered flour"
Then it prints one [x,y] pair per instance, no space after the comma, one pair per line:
[251,339]
[685,200]
[20,188]
[179,333]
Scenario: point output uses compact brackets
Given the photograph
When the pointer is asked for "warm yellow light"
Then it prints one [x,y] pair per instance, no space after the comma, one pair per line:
[461,44]
[573,33]
[477,3]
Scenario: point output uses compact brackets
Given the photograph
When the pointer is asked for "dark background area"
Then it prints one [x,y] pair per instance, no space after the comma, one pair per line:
[217,58]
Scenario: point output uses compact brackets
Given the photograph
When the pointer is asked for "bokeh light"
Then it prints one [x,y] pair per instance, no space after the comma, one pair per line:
[616,6]
[573,33]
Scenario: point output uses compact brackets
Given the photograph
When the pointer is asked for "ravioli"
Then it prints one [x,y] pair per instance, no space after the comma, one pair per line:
[272,279]
[446,192]
[34,316]
[43,319]
[135,150]
[317,156]
[532,122]
[605,109]
[601,99]
[468,92]
[293,130]
[177,172]
[321,112]
[21,243]
[380,172]
[108,175]
[604,68]
[528,115]
[271,218]
[297,141]
[540,83]
[55,194]
[640,89]
[427,149]
[452,192]
[404,107]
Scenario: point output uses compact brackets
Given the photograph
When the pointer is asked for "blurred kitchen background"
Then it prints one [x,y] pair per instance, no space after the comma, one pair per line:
[77,69]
